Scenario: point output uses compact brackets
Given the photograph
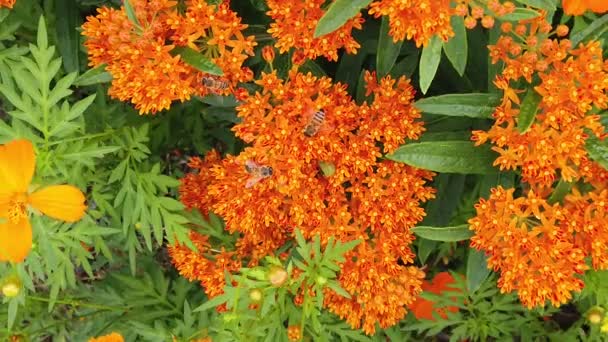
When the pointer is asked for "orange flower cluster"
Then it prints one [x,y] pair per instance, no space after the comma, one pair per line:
[423,308]
[314,165]
[294,26]
[415,19]
[578,7]
[141,58]
[113,337]
[7,3]
[572,81]
[540,247]
[472,11]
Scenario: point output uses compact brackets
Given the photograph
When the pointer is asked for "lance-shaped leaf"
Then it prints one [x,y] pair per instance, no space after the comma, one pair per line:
[597,150]
[476,105]
[456,49]
[93,76]
[198,61]
[596,29]
[477,269]
[520,14]
[131,13]
[447,156]
[528,110]
[429,62]
[548,5]
[388,51]
[338,13]
[446,234]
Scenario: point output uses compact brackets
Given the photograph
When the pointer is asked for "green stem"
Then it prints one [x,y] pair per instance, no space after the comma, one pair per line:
[90,136]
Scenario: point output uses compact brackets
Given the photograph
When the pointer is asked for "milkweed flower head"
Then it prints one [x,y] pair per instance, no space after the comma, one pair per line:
[572,82]
[484,11]
[294,23]
[419,20]
[61,202]
[140,55]
[324,176]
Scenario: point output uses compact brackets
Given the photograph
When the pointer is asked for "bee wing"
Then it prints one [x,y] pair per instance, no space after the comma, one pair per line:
[252,181]
[250,165]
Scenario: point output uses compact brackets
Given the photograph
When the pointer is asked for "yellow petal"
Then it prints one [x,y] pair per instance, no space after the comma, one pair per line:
[15,240]
[5,198]
[17,164]
[62,202]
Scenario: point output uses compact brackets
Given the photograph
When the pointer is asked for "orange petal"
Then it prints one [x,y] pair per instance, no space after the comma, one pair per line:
[17,164]
[5,197]
[62,202]
[574,7]
[15,240]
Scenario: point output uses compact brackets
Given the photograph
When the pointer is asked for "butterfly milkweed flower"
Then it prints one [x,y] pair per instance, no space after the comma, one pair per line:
[294,25]
[113,337]
[62,202]
[578,7]
[415,19]
[424,308]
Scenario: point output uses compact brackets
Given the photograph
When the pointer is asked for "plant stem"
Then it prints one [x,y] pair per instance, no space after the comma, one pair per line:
[79,303]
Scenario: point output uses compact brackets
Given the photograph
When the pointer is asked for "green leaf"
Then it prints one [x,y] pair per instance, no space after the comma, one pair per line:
[446,234]
[338,13]
[527,110]
[520,14]
[477,269]
[447,156]
[327,168]
[42,38]
[597,150]
[592,32]
[131,13]
[456,49]
[548,5]
[560,191]
[388,51]
[68,39]
[475,105]
[429,62]
[93,76]
[198,61]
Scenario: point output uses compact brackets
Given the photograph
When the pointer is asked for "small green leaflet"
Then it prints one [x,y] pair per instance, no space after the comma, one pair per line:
[527,110]
[456,49]
[446,234]
[327,168]
[560,191]
[429,62]
[475,105]
[197,60]
[338,13]
[548,5]
[93,76]
[447,156]
[477,269]
[520,14]
[388,51]
[596,29]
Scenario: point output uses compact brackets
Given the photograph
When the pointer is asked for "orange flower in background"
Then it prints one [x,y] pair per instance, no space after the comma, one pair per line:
[113,337]
[578,7]
[62,202]
[7,3]
[294,26]
[423,308]
[419,20]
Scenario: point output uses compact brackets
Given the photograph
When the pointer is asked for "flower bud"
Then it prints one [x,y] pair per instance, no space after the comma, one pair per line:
[11,287]
[595,315]
[321,280]
[277,276]
[268,53]
[255,295]
[562,30]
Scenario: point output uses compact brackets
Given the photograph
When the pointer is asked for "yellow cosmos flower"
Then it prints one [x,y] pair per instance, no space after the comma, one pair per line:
[62,202]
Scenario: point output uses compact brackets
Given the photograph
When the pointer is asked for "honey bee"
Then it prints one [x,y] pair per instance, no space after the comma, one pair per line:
[315,123]
[257,172]
[215,84]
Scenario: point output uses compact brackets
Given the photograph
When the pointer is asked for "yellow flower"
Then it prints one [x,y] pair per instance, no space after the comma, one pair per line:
[62,202]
